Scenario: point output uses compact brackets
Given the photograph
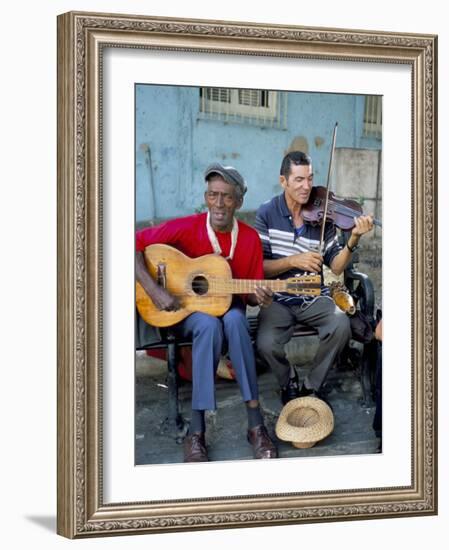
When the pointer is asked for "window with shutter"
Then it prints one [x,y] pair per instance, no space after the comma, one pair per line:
[372,118]
[259,107]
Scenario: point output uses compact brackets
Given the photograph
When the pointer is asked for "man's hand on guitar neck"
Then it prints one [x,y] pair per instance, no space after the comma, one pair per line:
[262,296]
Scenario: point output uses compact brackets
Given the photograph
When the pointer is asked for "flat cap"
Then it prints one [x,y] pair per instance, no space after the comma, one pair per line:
[228,173]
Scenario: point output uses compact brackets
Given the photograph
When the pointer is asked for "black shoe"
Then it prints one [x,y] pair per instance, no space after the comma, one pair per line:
[291,390]
[305,392]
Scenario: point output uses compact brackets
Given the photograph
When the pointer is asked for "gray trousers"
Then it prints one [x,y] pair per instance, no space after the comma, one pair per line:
[276,326]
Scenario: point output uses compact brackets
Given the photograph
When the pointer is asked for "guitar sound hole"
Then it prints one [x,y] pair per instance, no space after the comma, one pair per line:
[200,285]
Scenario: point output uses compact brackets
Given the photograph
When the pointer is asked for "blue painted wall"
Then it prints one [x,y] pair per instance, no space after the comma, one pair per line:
[174,146]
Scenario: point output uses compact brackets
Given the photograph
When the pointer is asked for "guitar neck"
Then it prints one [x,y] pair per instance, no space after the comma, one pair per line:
[247,286]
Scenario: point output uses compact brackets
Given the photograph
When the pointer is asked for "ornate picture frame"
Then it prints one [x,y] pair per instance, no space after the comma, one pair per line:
[82,40]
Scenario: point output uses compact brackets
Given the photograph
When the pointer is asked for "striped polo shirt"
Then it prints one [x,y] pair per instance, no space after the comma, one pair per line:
[280,238]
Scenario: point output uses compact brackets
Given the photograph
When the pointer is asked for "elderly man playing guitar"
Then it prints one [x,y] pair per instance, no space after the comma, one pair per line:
[215,231]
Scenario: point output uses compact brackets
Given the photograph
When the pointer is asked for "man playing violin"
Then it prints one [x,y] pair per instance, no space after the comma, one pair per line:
[291,247]
[216,231]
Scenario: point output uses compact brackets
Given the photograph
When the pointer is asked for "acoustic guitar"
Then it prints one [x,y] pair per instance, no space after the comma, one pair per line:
[204,284]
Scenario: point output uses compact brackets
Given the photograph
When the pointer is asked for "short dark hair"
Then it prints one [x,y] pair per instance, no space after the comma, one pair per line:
[294,157]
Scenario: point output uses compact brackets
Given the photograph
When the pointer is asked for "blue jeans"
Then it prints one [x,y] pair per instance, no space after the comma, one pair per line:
[210,337]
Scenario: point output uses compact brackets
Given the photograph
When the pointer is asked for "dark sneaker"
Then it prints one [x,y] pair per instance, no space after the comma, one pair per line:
[305,392]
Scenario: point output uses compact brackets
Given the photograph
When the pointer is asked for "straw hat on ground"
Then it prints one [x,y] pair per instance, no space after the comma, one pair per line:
[305,421]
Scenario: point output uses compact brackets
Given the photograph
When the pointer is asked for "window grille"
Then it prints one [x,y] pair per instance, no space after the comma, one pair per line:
[259,107]
[221,95]
[372,118]
[255,98]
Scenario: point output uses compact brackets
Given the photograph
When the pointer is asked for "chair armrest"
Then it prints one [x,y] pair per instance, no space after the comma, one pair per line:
[364,292]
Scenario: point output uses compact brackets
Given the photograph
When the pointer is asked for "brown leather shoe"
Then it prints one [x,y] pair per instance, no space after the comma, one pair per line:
[263,447]
[195,448]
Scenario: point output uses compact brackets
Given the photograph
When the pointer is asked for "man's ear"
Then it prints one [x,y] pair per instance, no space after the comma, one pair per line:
[239,203]
[283,181]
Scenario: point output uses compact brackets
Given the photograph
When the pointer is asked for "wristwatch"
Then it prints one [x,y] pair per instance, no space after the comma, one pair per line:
[352,248]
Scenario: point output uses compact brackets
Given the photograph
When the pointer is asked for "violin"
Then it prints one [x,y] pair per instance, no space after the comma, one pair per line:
[340,211]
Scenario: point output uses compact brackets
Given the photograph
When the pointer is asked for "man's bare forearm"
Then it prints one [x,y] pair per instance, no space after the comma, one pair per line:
[143,276]
[309,262]
[343,258]
[272,268]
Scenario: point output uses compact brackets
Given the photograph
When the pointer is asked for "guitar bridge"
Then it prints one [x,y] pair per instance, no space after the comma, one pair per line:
[162,275]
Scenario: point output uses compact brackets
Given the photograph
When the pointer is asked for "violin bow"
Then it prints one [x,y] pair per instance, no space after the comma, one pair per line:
[334,138]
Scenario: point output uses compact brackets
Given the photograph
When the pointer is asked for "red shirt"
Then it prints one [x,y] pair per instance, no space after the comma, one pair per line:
[189,235]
